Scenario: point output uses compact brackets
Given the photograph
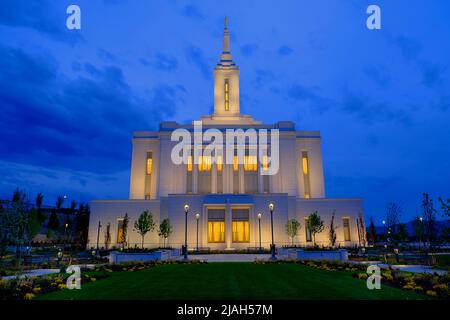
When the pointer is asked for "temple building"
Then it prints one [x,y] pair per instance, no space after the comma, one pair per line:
[228,202]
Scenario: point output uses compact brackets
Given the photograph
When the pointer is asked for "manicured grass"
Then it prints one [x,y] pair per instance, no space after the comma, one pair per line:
[231,281]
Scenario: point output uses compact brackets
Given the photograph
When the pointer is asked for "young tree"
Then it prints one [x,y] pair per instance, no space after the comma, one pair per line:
[332,231]
[144,224]
[53,221]
[34,225]
[362,230]
[82,225]
[445,206]
[315,225]
[107,236]
[292,227]
[165,229]
[41,215]
[59,202]
[372,231]
[393,214]
[429,217]
[402,232]
[123,238]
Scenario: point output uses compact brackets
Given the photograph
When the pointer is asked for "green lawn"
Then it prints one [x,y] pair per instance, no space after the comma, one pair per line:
[231,281]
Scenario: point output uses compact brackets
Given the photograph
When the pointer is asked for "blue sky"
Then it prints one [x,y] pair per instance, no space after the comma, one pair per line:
[70,99]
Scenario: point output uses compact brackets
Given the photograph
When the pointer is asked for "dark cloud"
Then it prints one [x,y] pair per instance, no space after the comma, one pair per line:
[309,96]
[81,124]
[249,49]
[433,74]
[106,56]
[410,48]
[39,16]
[372,112]
[379,75]
[194,12]
[284,50]
[165,62]
[263,77]
[196,57]
[443,104]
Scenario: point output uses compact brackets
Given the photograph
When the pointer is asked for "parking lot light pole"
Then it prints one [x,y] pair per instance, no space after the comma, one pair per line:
[197,217]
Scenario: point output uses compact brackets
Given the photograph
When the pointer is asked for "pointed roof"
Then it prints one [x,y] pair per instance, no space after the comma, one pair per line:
[226,59]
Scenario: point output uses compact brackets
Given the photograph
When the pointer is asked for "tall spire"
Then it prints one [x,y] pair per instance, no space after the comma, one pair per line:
[226,59]
[226,37]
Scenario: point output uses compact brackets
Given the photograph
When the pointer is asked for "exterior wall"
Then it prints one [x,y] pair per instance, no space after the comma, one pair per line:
[286,207]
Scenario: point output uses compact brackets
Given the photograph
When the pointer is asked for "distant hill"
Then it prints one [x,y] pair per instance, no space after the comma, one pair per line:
[440,226]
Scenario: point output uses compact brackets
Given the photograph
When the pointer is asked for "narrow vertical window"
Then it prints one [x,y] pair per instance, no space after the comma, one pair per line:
[346,223]
[305,171]
[307,231]
[148,174]
[227,95]
[120,239]
[189,174]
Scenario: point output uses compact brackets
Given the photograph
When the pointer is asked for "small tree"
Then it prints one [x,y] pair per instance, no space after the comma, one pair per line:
[315,225]
[372,231]
[429,217]
[332,231]
[165,229]
[445,206]
[34,224]
[393,214]
[402,232]
[362,230]
[144,224]
[292,227]
[123,237]
[53,221]
[107,236]
[41,215]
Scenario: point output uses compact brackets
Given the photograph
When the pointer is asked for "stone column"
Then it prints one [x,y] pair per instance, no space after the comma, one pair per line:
[228,226]
[214,178]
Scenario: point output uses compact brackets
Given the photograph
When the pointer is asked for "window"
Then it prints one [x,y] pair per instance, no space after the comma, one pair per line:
[120,239]
[265,163]
[305,171]
[149,163]
[227,95]
[240,225]
[189,164]
[346,223]
[216,231]
[240,231]
[307,231]
[148,175]
[216,225]
[204,163]
[219,163]
[250,163]
[235,163]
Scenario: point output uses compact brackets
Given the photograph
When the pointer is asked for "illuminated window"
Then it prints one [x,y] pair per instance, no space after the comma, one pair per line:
[346,223]
[305,170]
[216,231]
[250,163]
[227,95]
[265,163]
[149,163]
[235,163]
[241,231]
[307,231]
[120,239]
[204,163]
[189,164]
[219,163]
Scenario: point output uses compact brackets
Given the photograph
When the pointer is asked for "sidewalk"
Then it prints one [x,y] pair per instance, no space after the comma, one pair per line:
[33,273]
[229,257]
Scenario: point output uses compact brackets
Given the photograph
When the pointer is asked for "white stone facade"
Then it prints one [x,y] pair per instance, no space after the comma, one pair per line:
[231,197]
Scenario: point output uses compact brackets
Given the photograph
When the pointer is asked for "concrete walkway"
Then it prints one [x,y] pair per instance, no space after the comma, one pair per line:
[229,257]
[33,273]
[414,268]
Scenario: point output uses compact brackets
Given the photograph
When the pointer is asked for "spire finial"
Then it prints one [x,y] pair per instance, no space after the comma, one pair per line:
[226,23]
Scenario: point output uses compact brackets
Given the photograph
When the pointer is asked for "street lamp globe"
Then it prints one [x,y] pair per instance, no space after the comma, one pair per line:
[197,216]
[384,222]
[186,208]
[259,216]
[271,206]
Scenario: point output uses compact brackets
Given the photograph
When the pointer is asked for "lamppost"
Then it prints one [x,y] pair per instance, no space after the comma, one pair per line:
[65,236]
[197,217]
[98,235]
[272,246]
[420,233]
[259,224]
[184,249]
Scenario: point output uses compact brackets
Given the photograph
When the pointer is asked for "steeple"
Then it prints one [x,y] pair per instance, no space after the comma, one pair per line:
[226,59]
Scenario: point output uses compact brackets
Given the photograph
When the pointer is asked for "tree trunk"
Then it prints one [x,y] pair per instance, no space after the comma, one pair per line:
[314,239]
[142,242]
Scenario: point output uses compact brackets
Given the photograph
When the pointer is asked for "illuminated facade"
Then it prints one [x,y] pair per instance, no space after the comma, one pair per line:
[228,197]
